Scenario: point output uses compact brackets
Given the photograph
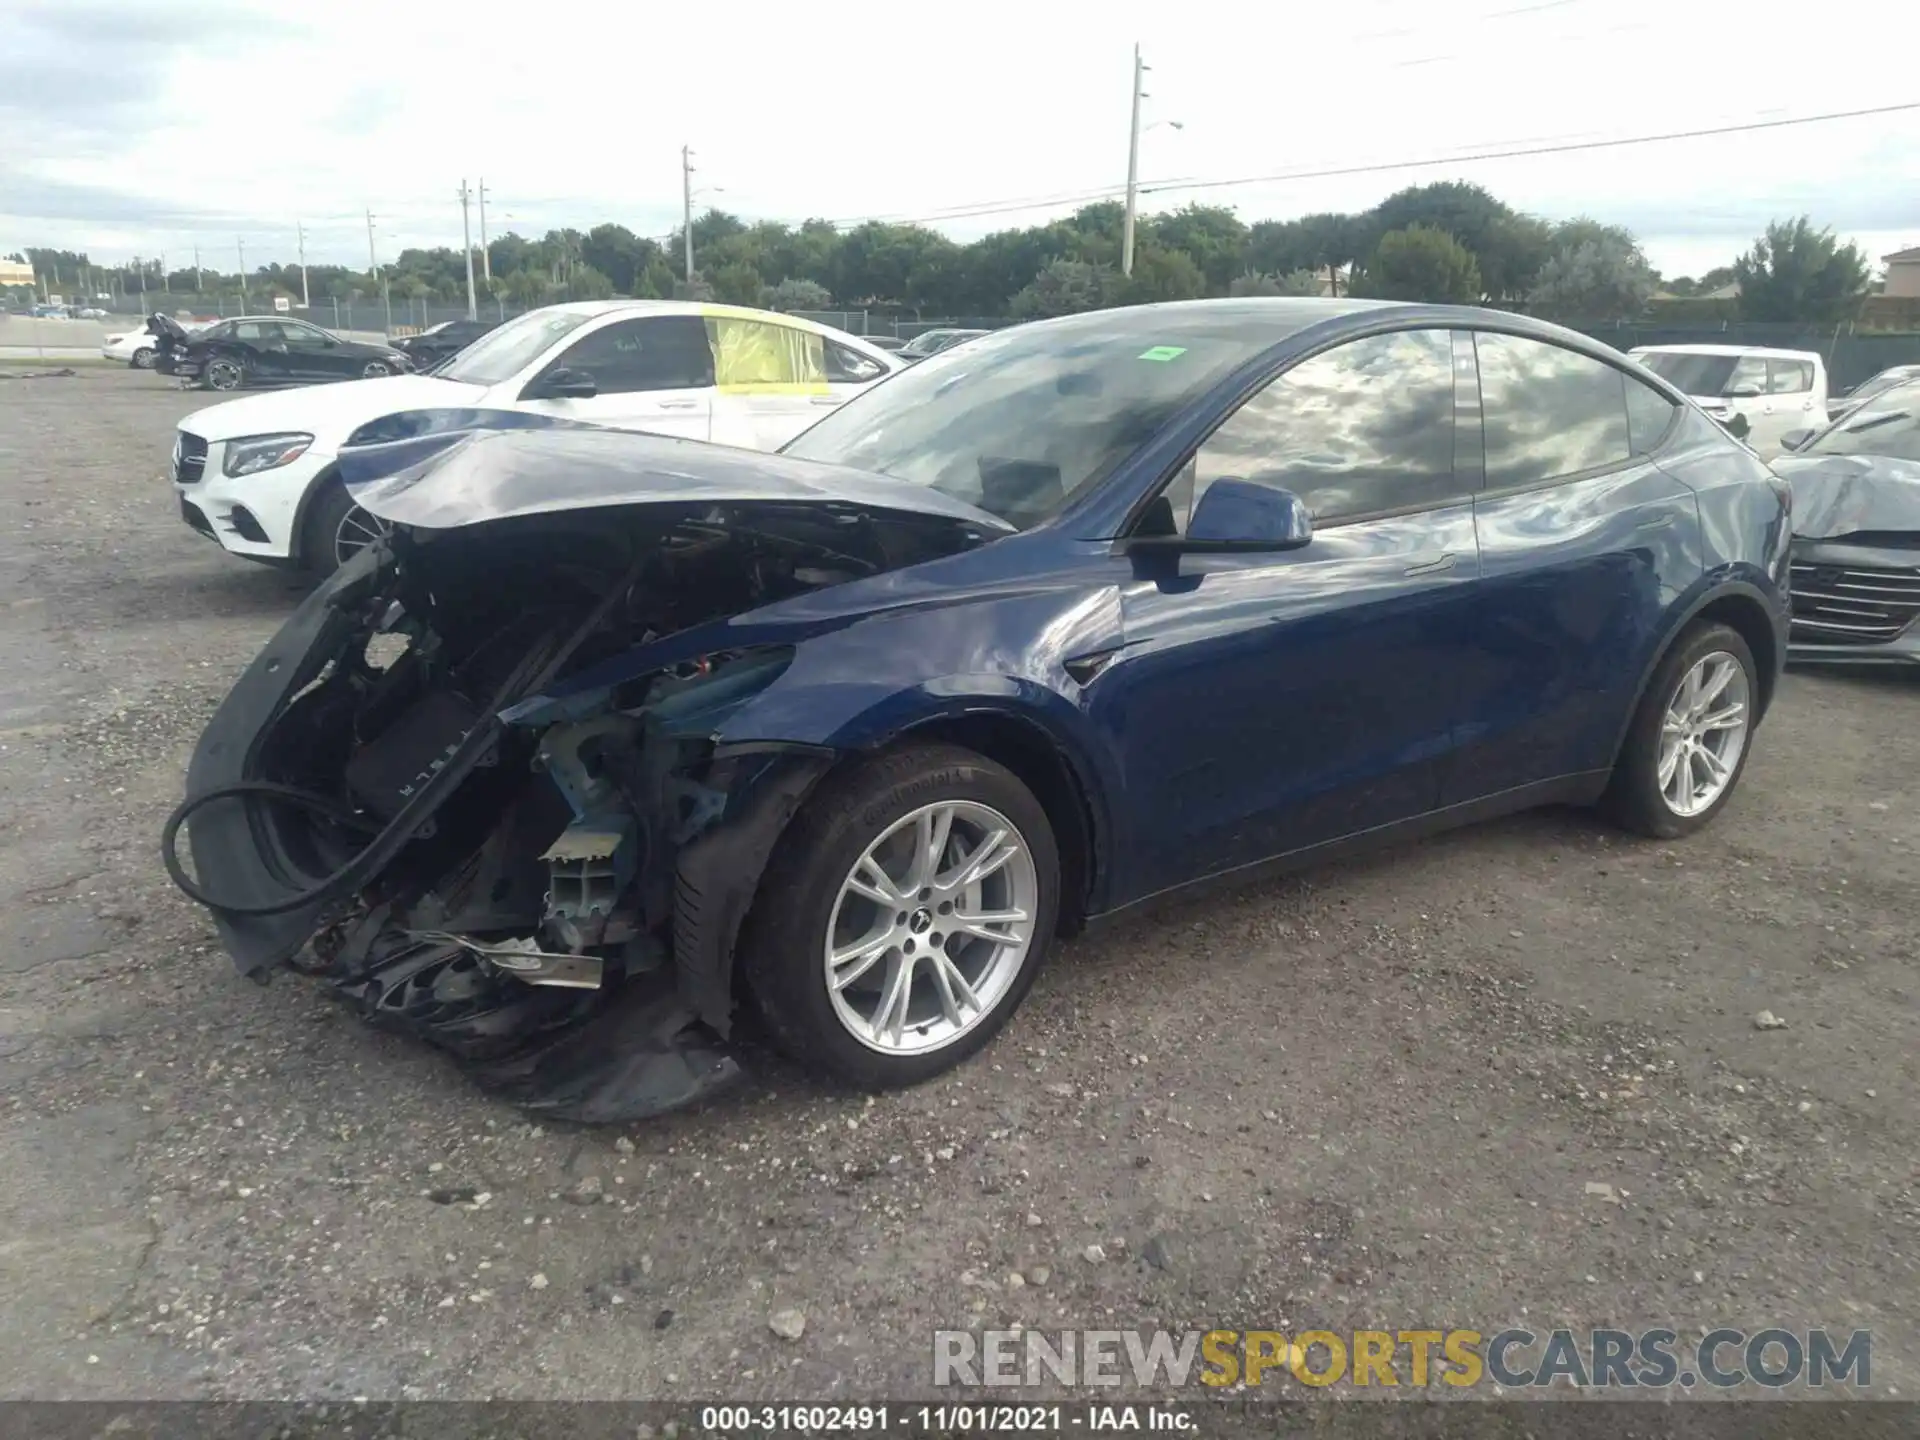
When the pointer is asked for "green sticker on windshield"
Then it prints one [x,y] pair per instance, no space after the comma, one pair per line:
[1164,353]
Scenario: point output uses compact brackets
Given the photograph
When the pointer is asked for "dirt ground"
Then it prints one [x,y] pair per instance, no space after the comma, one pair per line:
[1375,1095]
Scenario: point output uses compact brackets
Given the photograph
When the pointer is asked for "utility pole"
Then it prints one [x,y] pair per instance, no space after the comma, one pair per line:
[486,256]
[300,239]
[1133,167]
[241,245]
[373,265]
[686,192]
[143,281]
[198,284]
[466,246]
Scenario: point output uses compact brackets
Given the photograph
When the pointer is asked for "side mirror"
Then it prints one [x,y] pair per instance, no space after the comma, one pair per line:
[1744,392]
[1795,439]
[564,385]
[1240,515]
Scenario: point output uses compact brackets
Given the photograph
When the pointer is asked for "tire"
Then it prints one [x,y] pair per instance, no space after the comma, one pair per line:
[332,512]
[225,372]
[142,358]
[803,904]
[375,369]
[1636,799]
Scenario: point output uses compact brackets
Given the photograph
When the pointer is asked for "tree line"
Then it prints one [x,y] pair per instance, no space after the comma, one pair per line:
[1447,242]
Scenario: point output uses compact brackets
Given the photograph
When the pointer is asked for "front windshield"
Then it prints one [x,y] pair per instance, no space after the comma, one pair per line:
[1691,374]
[1883,382]
[1890,425]
[501,354]
[1021,421]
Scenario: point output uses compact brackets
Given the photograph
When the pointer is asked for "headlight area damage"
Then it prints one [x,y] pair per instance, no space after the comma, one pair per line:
[473,782]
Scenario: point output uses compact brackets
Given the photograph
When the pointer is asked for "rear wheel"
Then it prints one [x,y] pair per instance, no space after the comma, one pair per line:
[1688,743]
[904,917]
[142,358]
[226,372]
[337,530]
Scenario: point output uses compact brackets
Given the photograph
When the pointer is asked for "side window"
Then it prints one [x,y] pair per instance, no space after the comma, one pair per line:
[1789,377]
[305,336]
[1749,377]
[1648,415]
[1548,412]
[254,332]
[660,352]
[850,367]
[751,355]
[1361,428]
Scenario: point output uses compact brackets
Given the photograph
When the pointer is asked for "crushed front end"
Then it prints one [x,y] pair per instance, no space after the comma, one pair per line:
[548,891]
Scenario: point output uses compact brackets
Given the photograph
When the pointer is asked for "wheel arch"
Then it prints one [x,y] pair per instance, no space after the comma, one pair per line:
[1032,754]
[316,487]
[1744,608]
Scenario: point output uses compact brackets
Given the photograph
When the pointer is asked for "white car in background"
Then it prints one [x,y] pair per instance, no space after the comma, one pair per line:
[259,474]
[136,348]
[1774,390]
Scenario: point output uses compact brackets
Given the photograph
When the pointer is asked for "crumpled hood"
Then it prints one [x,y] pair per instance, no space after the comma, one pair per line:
[452,476]
[1835,495]
[329,413]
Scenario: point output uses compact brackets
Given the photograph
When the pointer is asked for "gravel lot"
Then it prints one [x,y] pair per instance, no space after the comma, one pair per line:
[1373,1095]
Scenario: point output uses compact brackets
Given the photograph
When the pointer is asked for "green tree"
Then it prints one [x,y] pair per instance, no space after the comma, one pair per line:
[795,294]
[1294,282]
[1064,287]
[1512,251]
[1212,236]
[1159,274]
[1603,277]
[586,283]
[736,283]
[1422,263]
[528,287]
[1466,212]
[1795,272]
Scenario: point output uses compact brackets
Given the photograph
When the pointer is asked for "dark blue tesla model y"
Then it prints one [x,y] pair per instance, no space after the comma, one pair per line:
[620,750]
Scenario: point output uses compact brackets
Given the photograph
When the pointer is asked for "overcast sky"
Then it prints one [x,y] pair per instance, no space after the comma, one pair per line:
[147,126]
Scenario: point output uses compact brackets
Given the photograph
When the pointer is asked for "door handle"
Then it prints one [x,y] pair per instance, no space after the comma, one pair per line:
[1656,522]
[1434,565]
[678,405]
[825,400]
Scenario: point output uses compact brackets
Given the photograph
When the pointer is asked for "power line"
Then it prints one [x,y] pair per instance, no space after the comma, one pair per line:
[1561,149]
[986,208]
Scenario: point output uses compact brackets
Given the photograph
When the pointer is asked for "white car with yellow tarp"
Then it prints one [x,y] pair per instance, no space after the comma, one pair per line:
[259,474]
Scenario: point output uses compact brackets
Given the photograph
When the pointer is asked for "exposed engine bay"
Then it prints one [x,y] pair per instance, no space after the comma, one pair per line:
[472,786]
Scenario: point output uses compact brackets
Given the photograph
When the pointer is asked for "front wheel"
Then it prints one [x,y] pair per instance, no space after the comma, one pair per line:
[1688,743]
[904,917]
[374,369]
[337,530]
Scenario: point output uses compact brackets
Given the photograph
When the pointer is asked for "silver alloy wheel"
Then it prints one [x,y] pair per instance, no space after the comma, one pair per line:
[356,531]
[932,926]
[224,375]
[143,358]
[1704,733]
[375,368]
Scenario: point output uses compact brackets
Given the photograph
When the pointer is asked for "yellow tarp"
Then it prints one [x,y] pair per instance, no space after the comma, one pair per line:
[752,357]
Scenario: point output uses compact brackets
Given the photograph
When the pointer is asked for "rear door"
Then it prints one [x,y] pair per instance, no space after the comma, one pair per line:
[654,373]
[1270,702]
[1795,401]
[265,350]
[772,380]
[1584,544]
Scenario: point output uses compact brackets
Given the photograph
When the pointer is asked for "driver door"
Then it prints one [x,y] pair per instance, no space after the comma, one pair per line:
[653,374]
[265,350]
[1268,703]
